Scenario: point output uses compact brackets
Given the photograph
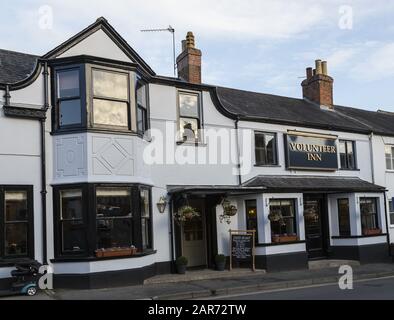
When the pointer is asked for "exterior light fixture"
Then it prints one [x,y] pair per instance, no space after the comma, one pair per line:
[161,204]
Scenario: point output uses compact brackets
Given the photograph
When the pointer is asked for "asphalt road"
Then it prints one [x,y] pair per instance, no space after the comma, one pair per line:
[375,289]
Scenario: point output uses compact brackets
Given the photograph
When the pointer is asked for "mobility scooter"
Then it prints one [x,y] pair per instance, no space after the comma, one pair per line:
[25,279]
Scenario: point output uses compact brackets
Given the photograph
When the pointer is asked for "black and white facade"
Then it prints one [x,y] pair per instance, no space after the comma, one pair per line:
[77,123]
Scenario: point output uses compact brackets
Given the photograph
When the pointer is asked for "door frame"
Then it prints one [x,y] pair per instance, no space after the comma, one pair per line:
[325,227]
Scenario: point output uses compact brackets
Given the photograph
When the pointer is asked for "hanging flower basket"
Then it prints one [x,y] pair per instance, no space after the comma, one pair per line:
[311,215]
[186,213]
[229,209]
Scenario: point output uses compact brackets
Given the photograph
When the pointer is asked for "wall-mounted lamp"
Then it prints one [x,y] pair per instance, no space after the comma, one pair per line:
[161,204]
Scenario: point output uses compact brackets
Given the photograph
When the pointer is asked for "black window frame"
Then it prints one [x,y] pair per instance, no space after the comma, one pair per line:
[92,97]
[56,99]
[144,109]
[30,222]
[347,165]
[89,203]
[343,229]
[391,211]
[274,151]
[295,218]
[256,239]
[375,214]
[199,119]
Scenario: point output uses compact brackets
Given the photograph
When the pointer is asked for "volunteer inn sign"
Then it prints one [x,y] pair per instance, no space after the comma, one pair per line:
[306,151]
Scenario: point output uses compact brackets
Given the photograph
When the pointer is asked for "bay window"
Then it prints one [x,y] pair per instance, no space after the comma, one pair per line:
[16,222]
[92,217]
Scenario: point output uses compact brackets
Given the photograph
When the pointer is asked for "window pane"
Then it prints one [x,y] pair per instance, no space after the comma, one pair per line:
[251,217]
[73,236]
[270,147]
[265,149]
[389,165]
[142,125]
[71,204]
[188,129]
[388,153]
[15,206]
[343,217]
[145,233]
[68,83]
[70,112]
[145,204]
[342,154]
[141,96]
[113,202]
[368,213]
[111,113]
[110,84]
[16,239]
[188,105]
[285,222]
[114,233]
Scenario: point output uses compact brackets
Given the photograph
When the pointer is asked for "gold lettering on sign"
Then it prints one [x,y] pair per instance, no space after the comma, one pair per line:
[313,151]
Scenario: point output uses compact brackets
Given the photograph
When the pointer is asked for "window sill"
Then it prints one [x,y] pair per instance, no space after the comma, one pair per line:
[191,144]
[389,171]
[267,165]
[92,259]
[272,244]
[340,169]
[96,130]
[359,237]
[11,262]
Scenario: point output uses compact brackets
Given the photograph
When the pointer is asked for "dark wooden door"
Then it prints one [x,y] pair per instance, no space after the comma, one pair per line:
[315,227]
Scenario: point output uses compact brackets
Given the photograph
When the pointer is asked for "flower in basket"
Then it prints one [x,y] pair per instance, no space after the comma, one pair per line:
[186,213]
[229,209]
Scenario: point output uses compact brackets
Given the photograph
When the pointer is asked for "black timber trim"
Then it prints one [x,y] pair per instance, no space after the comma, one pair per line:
[280,243]
[283,261]
[25,113]
[108,279]
[360,237]
[371,253]
[101,24]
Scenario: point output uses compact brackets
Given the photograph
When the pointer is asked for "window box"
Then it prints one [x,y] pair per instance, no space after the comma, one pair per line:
[279,238]
[115,252]
[372,232]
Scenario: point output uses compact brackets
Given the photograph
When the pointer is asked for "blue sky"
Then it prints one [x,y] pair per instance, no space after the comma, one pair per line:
[257,45]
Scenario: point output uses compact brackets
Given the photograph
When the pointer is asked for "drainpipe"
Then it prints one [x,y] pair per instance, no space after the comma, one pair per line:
[387,223]
[170,205]
[43,169]
[238,152]
[7,95]
[371,156]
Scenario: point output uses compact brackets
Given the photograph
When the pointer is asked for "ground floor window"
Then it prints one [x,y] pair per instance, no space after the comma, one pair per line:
[343,217]
[95,216]
[16,222]
[251,217]
[283,217]
[369,214]
[391,211]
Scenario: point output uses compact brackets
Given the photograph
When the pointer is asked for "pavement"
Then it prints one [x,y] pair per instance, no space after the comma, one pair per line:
[219,286]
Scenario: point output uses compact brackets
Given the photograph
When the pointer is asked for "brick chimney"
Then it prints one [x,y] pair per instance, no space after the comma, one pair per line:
[318,85]
[189,61]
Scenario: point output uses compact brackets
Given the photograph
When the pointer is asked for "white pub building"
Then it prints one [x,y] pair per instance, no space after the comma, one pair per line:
[96,167]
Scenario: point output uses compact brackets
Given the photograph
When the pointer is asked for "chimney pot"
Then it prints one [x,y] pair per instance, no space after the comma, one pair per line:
[309,73]
[318,67]
[324,68]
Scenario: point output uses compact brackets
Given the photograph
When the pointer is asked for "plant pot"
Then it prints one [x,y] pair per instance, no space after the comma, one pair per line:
[372,232]
[181,268]
[115,252]
[220,266]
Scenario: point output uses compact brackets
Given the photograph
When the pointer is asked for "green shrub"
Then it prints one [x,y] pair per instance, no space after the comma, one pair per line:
[181,261]
[219,258]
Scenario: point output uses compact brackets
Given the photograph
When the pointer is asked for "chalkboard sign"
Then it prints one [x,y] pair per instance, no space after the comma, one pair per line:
[242,247]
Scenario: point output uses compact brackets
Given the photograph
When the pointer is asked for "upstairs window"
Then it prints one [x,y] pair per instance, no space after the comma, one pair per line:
[69,97]
[142,107]
[347,154]
[389,151]
[189,116]
[391,212]
[265,148]
[110,98]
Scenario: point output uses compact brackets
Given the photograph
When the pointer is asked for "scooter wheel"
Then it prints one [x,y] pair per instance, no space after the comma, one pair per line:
[31,291]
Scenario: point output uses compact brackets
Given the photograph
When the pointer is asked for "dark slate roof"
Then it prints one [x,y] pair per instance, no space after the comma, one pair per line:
[213,189]
[278,109]
[15,66]
[313,183]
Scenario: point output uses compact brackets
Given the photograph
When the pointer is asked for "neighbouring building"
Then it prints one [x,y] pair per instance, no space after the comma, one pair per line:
[76,183]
